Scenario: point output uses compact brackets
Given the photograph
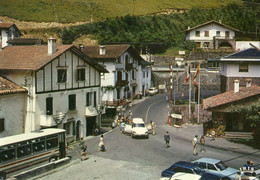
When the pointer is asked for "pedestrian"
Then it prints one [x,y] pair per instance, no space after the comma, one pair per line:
[153,125]
[83,153]
[195,144]
[101,144]
[202,142]
[238,176]
[167,139]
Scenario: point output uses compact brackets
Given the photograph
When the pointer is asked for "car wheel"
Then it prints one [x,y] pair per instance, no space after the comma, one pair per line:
[132,136]
[147,137]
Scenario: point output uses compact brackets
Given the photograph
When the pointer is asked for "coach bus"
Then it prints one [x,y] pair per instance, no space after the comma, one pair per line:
[23,150]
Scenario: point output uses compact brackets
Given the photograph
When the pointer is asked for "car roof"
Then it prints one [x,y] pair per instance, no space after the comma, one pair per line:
[184,176]
[208,160]
[138,120]
[185,164]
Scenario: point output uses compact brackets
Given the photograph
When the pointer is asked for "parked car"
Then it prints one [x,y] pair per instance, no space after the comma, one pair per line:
[137,129]
[182,166]
[207,176]
[251,175]
[185,176]
[217,167]
[153,91]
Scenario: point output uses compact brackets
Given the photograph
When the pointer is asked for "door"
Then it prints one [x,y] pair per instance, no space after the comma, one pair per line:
[78,130]
[91,123]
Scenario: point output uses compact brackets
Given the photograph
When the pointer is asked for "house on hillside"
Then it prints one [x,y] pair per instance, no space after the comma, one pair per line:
[63,86]
[8,31]
[241,66]
[222,106]
[128,73]
[12,99]
[212,35]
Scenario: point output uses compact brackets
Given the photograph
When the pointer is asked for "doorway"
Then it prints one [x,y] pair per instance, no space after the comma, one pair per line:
[78,130]
[91,123]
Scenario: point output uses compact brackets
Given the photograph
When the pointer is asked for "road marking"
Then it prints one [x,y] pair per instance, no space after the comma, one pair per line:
[149,109]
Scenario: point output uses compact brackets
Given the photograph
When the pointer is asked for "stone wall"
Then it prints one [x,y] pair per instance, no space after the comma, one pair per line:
[209,81]
[204,115]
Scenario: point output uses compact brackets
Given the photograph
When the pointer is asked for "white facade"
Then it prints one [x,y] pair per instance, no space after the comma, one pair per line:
[205,35]
[65,93]
[6,34]
[242,45]
[12,113]
[230,69]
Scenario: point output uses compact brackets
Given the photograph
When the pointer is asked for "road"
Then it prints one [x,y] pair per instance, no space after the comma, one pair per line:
[128,158]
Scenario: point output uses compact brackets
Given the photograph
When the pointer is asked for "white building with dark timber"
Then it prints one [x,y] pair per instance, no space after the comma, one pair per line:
[63,86]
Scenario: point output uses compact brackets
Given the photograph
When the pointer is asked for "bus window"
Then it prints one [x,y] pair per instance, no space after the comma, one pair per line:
[23,149]
[7,153]
[38,145]
[52,141]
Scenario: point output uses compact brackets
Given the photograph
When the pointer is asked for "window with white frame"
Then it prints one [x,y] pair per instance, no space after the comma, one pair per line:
[72,102]
[197,33]
[91,99]
[243,67]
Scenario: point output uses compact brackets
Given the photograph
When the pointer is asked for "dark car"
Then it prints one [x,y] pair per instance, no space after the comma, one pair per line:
[182,166]
[210,176]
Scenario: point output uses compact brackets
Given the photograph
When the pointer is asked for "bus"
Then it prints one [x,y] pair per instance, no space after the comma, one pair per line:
[23,150]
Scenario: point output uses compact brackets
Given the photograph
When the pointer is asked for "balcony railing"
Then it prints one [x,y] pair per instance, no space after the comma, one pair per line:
[223,37]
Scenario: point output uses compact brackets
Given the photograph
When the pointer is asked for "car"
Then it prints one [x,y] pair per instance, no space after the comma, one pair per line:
[207,176]
[185,176]
[152,91]
[137,129]
[182,166]
[217,167]
[251,175]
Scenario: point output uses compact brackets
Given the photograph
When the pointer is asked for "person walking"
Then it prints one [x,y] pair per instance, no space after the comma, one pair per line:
[202,143]
[153,127]
[101,145]
[167,139]
[195,144]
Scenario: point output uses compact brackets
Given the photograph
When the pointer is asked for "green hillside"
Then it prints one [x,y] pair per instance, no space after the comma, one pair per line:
[86,10]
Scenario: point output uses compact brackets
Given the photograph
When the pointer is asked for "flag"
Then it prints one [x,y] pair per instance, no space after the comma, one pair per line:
[188,75]
[197,71]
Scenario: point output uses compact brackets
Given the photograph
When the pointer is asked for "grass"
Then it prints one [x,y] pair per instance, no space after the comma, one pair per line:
[65,11]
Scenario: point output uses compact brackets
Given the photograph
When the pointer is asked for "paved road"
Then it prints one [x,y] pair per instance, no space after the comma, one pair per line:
[128,158]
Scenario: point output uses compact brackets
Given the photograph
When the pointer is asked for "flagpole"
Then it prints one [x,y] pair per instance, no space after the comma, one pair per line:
[199,99]
[189,92]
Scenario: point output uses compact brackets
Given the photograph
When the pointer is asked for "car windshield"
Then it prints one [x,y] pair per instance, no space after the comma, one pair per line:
[138,125]
[221,166]
[199,171]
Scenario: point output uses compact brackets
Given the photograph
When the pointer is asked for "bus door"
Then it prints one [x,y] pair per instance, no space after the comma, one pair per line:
[62,145]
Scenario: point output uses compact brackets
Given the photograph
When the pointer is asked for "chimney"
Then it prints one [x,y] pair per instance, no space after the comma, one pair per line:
[248,83]
[52,46]
[102,50]
[236,86]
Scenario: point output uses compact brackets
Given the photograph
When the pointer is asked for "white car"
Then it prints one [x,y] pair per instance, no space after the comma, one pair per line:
[137,129]
[153,91]
[183,176]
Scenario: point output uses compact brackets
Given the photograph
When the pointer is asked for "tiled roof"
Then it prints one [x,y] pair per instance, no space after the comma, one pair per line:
[209,22]
[112,51]
[25,41]
[9,87]
[231,96]
[28,57]
[6,25]
[251,54]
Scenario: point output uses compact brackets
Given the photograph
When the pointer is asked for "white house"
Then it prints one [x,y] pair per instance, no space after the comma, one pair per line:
[212,35]
[7,31]
[243,66]
[63,86]
[12,99]
[128,73]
